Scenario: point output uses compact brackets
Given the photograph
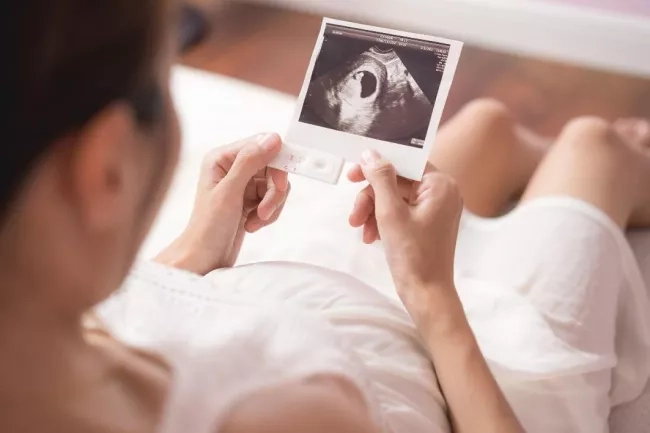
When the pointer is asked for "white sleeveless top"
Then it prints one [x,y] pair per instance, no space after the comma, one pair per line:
[292,321]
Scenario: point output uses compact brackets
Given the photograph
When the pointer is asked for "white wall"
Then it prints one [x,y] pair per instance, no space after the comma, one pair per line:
[586,37]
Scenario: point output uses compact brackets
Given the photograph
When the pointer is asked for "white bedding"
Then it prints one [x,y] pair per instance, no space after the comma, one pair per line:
[215,110]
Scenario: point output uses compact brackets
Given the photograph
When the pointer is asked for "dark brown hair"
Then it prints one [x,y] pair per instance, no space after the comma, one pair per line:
[67,60]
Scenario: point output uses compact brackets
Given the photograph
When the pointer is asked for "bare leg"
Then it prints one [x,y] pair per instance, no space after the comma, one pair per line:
[603,164]
[491,158]
[637,134]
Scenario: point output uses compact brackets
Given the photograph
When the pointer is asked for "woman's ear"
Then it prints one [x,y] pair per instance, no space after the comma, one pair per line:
[103,167]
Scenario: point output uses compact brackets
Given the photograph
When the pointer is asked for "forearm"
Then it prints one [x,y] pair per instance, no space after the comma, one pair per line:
[476,403]
[186,255]
[177,255]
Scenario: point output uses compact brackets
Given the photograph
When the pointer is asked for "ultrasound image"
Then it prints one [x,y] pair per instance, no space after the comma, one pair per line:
[373,89]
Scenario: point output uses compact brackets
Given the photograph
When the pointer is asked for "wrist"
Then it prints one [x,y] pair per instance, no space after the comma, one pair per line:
[436,309]
[180,256]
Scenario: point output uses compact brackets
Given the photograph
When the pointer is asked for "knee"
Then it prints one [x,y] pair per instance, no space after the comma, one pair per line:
[587,131]
[490,126]
[487,113]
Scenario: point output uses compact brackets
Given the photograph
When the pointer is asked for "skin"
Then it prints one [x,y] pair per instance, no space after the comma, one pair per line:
[428,210]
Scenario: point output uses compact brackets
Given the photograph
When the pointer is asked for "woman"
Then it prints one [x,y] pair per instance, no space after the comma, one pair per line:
[91,143]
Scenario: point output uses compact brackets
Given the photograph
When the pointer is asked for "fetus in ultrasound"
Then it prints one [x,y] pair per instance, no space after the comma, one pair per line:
[374,96]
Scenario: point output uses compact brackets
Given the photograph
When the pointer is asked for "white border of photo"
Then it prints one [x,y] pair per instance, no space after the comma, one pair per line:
[409,161]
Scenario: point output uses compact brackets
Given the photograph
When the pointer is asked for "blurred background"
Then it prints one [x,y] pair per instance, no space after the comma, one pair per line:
[548,60]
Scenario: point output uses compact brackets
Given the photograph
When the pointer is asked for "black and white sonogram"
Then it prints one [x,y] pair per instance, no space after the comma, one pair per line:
[375,85]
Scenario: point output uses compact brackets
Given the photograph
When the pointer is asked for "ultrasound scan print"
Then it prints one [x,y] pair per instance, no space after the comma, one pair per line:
[372,93]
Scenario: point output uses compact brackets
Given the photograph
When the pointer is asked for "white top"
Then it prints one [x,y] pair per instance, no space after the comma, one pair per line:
[560,314]
[225,343]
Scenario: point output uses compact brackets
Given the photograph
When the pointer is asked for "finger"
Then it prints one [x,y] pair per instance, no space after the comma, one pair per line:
[429,178]
[253,193]
[280,208]
[374,228]
[272,199]
[370,231]
[355,174]
[431,175]
[279,178]
[255,223]
[253,156]
[219,161]
[364,206]
[441,190]
[382,177]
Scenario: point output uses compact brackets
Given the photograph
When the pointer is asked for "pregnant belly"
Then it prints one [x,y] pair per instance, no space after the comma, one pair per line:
[376,329]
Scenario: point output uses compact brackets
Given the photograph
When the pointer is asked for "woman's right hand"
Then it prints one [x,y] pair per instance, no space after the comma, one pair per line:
[417,223]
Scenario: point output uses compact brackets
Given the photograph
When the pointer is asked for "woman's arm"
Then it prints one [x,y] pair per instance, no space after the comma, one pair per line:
[418,224]
[476,404]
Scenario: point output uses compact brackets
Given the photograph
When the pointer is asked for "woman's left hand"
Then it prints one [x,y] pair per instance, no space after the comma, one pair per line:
[237,193]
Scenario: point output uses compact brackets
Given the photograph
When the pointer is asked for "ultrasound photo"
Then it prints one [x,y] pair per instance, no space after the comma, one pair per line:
[375,85]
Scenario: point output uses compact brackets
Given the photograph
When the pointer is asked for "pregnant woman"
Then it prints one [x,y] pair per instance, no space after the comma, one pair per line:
[90,144]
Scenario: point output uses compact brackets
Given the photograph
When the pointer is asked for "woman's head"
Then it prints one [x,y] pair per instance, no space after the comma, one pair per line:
[88,146]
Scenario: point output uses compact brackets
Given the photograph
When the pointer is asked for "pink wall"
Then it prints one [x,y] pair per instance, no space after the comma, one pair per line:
[625,6]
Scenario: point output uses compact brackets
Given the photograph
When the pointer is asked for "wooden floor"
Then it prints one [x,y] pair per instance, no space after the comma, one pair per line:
[272,48]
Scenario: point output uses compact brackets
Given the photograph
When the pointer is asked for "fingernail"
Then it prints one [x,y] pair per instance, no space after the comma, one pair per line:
[370,158]
[269,142]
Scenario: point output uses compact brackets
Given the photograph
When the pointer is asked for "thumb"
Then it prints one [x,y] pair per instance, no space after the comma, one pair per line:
[383,178]
[253,156]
